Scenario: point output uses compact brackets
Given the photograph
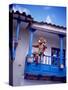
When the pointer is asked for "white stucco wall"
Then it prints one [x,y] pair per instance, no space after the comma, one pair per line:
[22,50]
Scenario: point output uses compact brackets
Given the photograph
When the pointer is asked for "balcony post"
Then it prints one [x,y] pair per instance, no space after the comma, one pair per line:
[61,51]
[31,31]
[15,42]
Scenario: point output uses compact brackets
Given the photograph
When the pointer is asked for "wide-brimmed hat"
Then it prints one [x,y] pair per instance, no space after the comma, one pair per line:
[42,40]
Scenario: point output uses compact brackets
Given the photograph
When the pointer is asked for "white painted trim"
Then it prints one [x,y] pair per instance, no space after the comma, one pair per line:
[48,28]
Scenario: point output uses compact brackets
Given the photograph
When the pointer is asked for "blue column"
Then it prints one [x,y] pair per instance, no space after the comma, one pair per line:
[31,31]
[17,30]
[61,49]
[16,41]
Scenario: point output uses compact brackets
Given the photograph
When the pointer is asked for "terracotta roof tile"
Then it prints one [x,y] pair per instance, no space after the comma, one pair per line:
[42,23]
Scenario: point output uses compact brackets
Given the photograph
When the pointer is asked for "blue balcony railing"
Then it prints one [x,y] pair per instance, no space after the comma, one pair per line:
[50,60]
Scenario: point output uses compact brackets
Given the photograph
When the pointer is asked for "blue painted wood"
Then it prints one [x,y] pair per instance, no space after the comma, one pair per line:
[61,49]
[45,70]
[31,31]
[30,43]
[17,30]
[16,41]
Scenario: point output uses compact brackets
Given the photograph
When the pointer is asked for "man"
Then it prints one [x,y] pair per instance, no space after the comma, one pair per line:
[41,49]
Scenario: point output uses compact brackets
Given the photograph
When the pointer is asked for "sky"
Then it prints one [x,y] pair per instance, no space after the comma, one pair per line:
[49,14]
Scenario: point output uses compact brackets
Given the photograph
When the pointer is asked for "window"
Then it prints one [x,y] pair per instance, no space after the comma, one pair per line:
[55,53]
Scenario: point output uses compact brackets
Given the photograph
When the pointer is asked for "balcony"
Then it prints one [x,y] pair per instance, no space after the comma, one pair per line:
[47,66]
